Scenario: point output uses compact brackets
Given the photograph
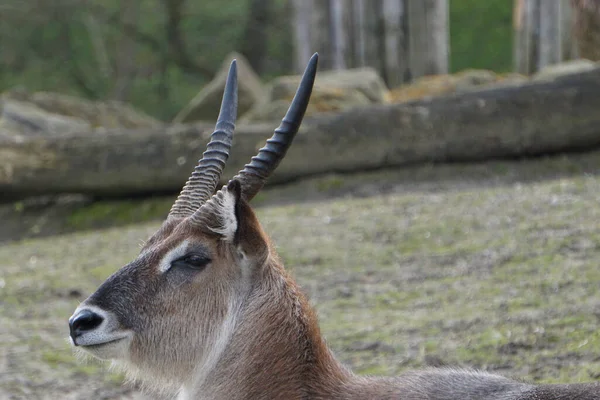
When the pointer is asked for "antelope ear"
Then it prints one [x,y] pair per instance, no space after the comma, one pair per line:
[221,214]
[234,188]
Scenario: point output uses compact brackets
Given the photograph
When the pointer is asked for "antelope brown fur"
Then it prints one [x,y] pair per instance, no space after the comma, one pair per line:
[207,311]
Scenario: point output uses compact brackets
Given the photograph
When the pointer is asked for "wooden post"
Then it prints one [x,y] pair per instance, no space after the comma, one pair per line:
[428,37]
[543,34]
[550,48]
[339,33]
[521,37]
[569,48]
[373,31]
[302,36]
[525,25]
[402,39]
[395,54]
[438,20]
[359,22]
[321,32]
[416,38]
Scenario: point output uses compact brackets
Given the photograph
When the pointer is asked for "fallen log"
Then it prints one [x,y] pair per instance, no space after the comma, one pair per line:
[505,122]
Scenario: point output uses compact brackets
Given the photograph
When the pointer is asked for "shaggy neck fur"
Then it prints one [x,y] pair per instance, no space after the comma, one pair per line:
[276,350]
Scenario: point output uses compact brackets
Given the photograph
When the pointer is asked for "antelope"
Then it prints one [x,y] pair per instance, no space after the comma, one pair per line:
[207,310]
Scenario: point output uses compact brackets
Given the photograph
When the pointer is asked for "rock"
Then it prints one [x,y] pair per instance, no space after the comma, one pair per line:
[20,118]
[333,91]
[364,80]
[205,106]
[322,100]
[436,85]
[424,87]
[502,80]
[98,114]
[474,77]
[566,68]
[511,78]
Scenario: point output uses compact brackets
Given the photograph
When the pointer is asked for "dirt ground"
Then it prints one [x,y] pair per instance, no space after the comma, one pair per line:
[492,266]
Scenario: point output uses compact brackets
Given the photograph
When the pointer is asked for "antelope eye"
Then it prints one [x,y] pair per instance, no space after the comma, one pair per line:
[196,261]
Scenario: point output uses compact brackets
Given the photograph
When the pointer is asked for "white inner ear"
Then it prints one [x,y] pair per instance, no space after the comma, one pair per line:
[225,209]
[173,254]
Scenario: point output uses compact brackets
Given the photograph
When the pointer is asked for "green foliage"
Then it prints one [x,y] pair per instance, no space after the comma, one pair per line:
[79,49]
[481,34]
[499,273]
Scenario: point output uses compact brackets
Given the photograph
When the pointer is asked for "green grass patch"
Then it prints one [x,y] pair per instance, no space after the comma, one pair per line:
[119,212]
[501,277]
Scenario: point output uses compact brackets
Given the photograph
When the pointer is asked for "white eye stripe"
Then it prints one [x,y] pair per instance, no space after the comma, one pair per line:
[177,252]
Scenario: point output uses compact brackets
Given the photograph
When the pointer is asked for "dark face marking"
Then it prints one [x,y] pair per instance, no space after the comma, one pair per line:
[196,258]
[132,292]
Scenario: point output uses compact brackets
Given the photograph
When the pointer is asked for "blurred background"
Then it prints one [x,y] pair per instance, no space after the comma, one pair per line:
[157,54]
[109,99]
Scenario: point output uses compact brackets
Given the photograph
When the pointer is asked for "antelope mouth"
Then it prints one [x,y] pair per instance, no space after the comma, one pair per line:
[97,342]
[110,347]
[99,333]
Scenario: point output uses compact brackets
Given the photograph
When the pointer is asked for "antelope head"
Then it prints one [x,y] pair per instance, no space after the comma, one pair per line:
[172,311]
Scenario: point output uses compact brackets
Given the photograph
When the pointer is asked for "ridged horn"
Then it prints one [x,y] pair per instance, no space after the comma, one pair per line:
[254,174]
[203,181]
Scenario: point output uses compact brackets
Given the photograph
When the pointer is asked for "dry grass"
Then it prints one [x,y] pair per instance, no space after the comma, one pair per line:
[499,275]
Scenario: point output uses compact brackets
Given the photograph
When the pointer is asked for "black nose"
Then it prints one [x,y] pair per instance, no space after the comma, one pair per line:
[83,321]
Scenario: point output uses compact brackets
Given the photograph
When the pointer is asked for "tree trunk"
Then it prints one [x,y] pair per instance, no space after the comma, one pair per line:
[394,13]
[569,49]
[507,122]
[543,34]
[98,45]
[302,36]
[321,33]
[254,43]
[340,34]
[174,15]
[525,25]
[438,22]
[429,45]
[125,57]
[550,49]
[373,31]
[359,23]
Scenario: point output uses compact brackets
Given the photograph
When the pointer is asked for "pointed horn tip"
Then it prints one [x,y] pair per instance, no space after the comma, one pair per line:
[231,82]
[311,68]
[233,68]
[232,73]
